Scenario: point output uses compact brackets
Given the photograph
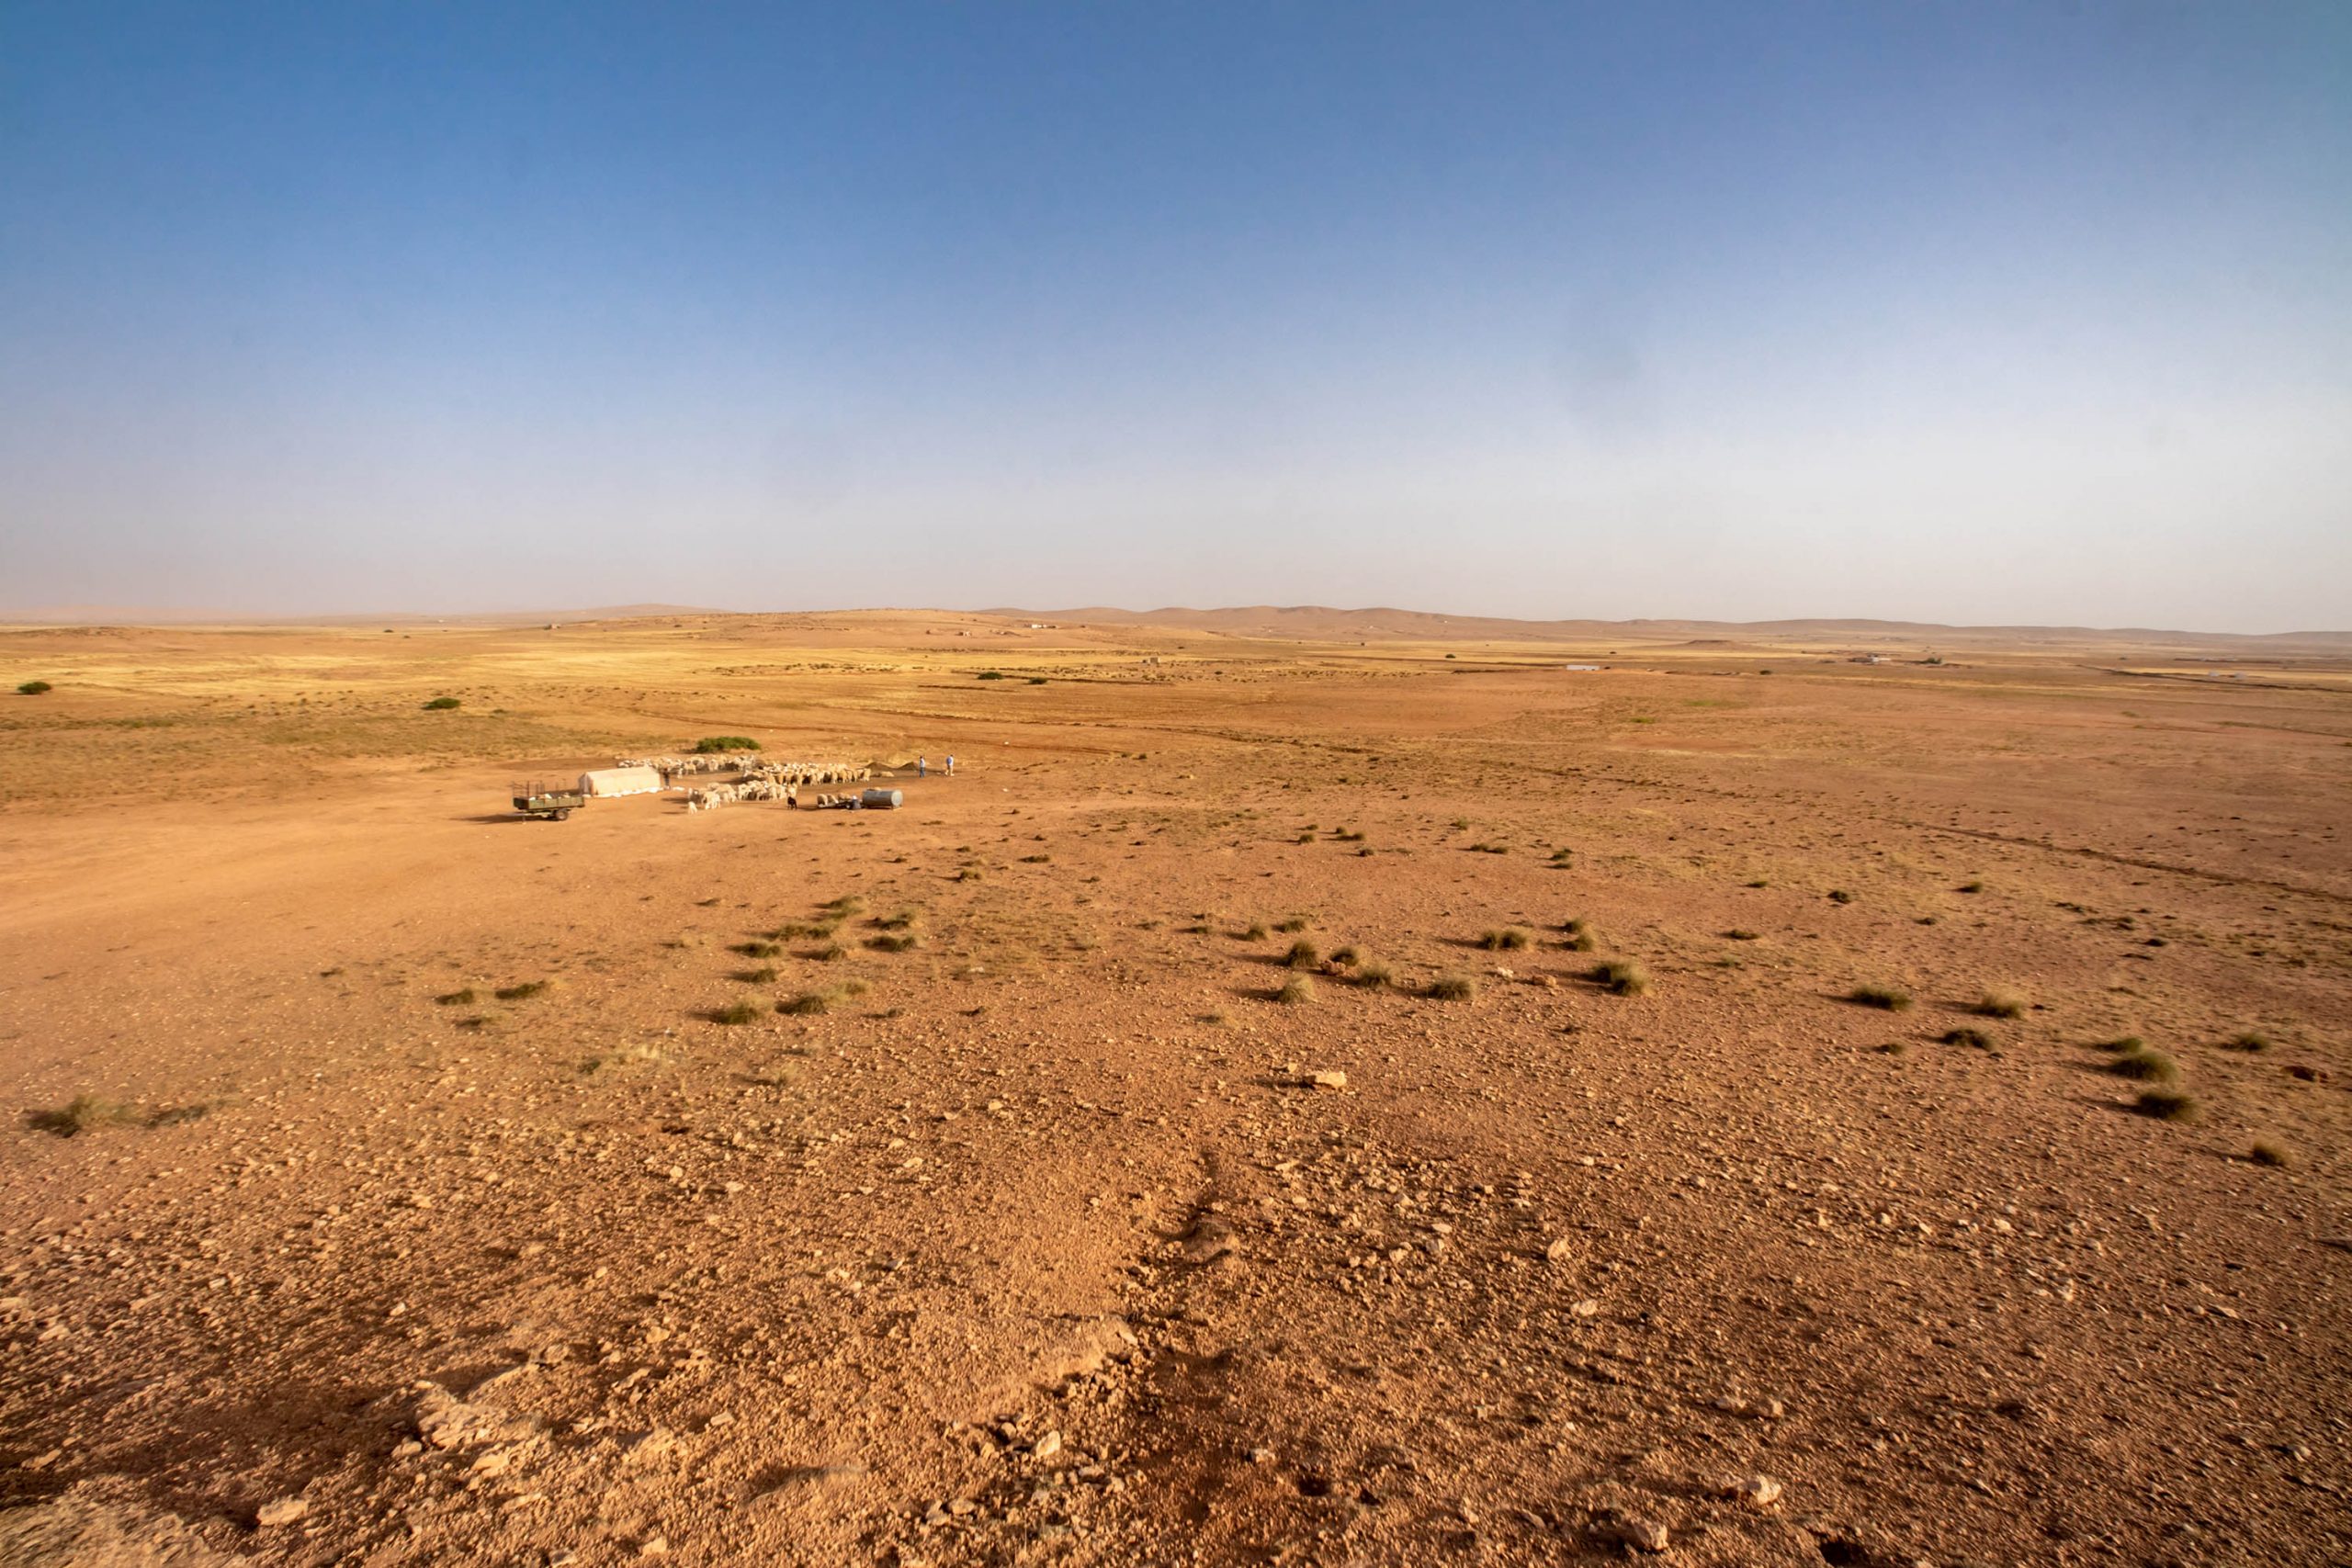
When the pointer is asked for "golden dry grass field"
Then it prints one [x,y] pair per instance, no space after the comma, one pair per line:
[1734,1097]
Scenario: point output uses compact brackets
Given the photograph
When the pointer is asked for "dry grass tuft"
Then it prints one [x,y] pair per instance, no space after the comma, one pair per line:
[1889,999]
[462,997]
[2272,1154]
[1453,989]
[1509,939]
[1623,976]
[1967,1036]
[2250,1041]
[2000,1004]
[2146,1066]
[1298,989]
[2165,1105]
[1303,954]
[737,1012]
[523,991]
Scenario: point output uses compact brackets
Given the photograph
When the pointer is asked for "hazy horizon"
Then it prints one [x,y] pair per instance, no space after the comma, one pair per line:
[1961,315]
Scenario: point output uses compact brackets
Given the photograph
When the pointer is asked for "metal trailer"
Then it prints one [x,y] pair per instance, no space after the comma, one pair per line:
[534,799]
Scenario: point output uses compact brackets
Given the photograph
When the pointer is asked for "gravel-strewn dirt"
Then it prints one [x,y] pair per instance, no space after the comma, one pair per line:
[1040,1243]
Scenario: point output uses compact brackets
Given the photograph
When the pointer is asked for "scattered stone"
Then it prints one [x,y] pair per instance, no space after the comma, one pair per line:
[1585,1308]
[648,1447]
[1047,1446]
[1330,1077]
[1640,1532]
[280,1511]
[1211,1239]
[1560,1251]
[1756,1491]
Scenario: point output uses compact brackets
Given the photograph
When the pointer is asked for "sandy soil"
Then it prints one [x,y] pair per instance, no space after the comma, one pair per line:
[1044,1246]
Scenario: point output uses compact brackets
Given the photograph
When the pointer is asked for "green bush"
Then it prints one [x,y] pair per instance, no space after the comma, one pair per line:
[2165,1106]
[990,675]
[34,688]
[711,744]
[442,705]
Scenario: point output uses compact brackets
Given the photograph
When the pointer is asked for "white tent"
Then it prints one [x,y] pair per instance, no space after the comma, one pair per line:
[620,781]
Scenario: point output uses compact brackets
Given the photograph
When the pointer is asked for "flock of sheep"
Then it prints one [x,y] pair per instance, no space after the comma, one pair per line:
[762,779]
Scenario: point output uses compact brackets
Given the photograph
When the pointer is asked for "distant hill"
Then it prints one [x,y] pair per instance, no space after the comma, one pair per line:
[1319,622]
[132,615]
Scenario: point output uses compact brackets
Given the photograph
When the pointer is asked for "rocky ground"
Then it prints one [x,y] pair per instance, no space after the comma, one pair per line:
[1199,1131]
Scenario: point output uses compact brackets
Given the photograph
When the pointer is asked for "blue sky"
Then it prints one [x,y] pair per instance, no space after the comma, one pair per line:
[1969,312]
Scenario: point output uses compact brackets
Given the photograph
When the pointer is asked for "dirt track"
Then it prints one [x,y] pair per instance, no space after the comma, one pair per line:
[1039,1249]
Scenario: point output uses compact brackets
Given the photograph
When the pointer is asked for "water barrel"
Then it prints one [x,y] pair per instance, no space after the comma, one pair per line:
[880,800]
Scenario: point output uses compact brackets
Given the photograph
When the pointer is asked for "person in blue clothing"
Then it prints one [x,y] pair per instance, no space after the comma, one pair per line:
[951,764]
[923,767]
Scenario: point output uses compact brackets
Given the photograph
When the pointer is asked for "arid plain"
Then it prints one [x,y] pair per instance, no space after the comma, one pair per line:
[1008,1221]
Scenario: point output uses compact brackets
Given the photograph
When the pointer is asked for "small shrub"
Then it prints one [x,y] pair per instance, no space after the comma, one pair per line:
[1256,932]
[1348,836]
[1453,989]
[971,873]
[903,920]
[1036,680]
[829,953]
[737,1012]
[1624,977]
[1297,989]
[1372,973]
[1972,888]
[1965,1036]
[2123,1044]
[990,675]
[2146,1066]
[2272,1154]
[894,942]
[2249,1041]
[1561,857]
[2165,1105]
[1740,934]
[464,998]
[764,975]
[2000,1004]
[442,705]
[758,949]
[1035,860]
[1303,954]
[1884,996]
[847,905]
[1490,849]
[1840,895]
[809,1002]
[1296,923]
[33,688]
[1305,837]
[522,992]
[83,1113]
[1510,939]
[711,744]
[1346,957]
